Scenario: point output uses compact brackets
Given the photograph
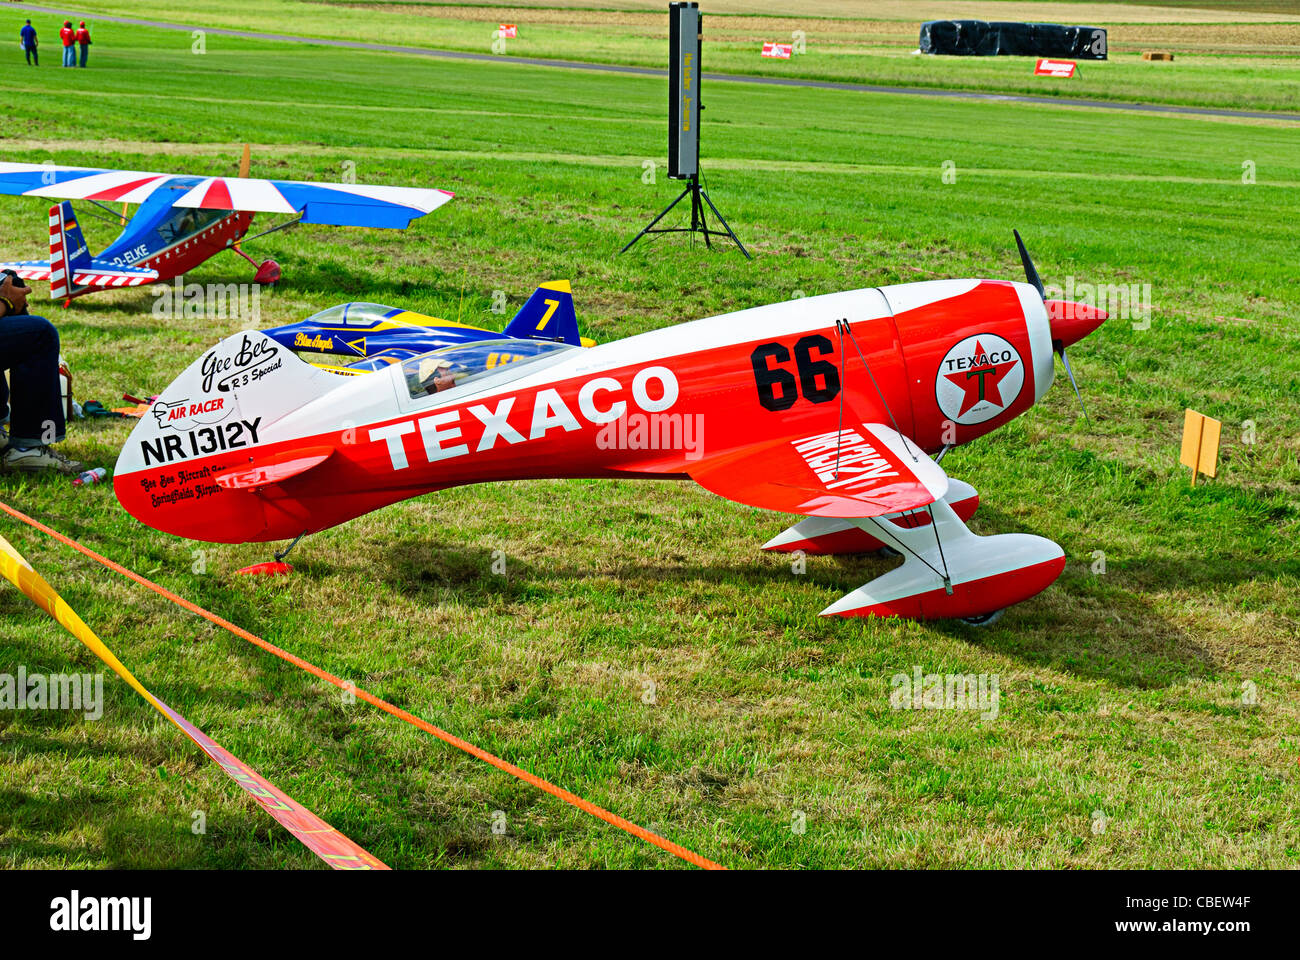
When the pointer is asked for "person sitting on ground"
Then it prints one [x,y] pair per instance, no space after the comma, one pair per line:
[29,349]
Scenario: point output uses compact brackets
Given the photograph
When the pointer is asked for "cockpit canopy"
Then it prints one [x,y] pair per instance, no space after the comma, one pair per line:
[357,314]
[451,367]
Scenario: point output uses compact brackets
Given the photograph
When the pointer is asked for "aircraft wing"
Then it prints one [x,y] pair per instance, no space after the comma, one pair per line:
[340,204]
[78,183]
[864,470]
[28,269]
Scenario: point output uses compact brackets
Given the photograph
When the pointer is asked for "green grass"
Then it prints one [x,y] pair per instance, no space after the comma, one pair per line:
[1218,65]
[1121,692]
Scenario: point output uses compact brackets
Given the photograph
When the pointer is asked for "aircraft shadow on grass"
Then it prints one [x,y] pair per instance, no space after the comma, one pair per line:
[1113,632]
[335,285]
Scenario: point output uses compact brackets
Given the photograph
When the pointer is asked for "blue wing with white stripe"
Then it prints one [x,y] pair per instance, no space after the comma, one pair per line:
[338,204]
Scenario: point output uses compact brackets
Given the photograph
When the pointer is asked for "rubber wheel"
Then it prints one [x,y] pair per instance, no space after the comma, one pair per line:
[984,619]
[889,553]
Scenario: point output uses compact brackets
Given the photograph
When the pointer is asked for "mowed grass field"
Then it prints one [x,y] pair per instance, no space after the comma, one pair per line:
[1148,713]
[1229,58]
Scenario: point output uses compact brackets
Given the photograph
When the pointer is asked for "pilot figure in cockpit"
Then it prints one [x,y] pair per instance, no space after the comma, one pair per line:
[435,376]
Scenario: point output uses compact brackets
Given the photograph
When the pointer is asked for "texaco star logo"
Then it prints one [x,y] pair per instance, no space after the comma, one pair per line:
[978,378]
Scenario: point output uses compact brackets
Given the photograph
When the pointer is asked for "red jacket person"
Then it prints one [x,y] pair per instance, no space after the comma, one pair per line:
[82,36]
[68,36]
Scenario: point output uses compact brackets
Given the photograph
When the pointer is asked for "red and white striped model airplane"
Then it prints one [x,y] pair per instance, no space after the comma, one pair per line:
[183,221]
[828,407]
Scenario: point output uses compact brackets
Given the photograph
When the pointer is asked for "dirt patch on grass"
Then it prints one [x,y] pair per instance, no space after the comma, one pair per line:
[1173,31]
[1100,13]
[1237,38]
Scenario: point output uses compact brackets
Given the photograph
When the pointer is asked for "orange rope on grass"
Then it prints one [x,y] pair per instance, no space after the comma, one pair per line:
[455,741]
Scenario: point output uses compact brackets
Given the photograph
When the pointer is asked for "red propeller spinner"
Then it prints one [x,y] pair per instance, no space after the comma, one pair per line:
[1071,322]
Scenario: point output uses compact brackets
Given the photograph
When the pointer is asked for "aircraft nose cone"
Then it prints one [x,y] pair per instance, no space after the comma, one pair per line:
[1071,321]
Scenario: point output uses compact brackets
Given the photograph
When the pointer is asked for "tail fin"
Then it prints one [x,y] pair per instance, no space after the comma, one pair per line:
[548,315]
[68,251]
[239,419]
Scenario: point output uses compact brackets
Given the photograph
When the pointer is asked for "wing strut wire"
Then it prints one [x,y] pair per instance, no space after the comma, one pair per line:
[117,217]
[278,226]
[842,326]
[839,430]
[947,578]
[904,548]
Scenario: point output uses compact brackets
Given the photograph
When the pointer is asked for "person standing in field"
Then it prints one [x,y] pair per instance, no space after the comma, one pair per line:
[82,36]
[28,35]
[67,35]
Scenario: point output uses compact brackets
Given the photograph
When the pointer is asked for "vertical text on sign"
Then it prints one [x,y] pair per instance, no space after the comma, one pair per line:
[684,41]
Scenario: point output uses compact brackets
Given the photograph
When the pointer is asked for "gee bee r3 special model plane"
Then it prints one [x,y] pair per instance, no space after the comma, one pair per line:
[827,407]
[183,221]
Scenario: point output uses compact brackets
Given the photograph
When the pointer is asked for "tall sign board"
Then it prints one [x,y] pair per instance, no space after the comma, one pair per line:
[685,41]
[685,45]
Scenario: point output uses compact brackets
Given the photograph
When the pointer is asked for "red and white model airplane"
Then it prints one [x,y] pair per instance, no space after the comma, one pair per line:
[182,221]
[827,407]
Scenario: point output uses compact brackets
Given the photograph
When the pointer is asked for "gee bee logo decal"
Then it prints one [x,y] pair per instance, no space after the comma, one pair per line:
[978,379]
[253,360]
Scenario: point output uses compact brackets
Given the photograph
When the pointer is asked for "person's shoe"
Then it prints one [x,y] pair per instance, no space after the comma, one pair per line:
[37,459]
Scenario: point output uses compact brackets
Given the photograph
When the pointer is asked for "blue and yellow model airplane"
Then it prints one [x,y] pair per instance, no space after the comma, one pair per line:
[359,337]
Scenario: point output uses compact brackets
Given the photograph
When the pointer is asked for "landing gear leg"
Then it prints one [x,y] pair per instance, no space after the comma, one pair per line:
[276,567]
[280,555]
[268,271]
[984,619]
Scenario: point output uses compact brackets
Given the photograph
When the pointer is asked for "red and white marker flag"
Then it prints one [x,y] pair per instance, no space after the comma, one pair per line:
[508,31]
[1055,68]
[780,51]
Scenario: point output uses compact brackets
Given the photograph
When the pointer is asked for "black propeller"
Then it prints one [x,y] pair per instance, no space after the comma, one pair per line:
[1031,276]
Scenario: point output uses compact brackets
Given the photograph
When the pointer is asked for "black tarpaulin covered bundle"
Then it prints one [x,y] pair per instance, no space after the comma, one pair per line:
[981,38]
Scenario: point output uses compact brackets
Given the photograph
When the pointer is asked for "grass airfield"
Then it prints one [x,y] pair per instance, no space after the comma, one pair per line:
[1122,692]
[1242,55]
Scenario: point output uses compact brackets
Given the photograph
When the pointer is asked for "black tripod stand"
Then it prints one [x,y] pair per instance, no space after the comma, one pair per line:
[698,222]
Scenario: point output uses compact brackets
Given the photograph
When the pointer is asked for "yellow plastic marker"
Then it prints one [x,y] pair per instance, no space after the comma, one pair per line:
[1200,444]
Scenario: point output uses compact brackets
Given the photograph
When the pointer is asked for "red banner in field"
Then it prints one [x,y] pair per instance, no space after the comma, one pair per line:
[1055,68]
[781,51]
[508,31]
